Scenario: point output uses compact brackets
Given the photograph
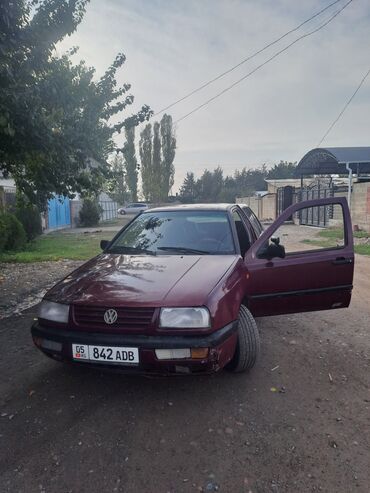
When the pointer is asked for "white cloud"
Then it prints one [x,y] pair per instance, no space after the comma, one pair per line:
[279,113]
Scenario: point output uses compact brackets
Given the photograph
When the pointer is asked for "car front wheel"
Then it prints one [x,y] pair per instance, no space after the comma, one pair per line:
[248,345]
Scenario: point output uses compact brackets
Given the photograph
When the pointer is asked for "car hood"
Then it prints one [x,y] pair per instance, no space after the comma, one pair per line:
[173,280]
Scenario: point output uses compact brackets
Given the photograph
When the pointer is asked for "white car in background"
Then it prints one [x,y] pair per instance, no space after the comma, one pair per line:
[134,208]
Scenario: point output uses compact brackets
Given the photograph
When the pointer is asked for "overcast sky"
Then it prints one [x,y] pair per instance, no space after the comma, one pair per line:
[281,112]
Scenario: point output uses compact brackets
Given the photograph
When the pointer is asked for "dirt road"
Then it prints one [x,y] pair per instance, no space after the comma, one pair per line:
[302,427]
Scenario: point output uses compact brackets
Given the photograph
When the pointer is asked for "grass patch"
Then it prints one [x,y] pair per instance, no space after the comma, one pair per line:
[320,243]
[361,234]
[338,233]
[331,233]
[362,249]
[331,237]
[58,246]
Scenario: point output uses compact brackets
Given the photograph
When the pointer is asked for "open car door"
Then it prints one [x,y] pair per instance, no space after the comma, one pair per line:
[317,270]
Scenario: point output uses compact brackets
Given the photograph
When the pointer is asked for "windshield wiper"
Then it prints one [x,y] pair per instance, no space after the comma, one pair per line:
[183,250]
[127,249]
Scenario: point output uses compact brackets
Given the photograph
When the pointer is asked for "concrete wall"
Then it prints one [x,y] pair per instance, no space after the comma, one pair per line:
[264,207]
[251,202]
[268,211]
[360,205]
[75,210]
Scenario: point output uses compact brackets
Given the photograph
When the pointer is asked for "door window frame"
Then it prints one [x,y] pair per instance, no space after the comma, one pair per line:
[252,253]
[248,229]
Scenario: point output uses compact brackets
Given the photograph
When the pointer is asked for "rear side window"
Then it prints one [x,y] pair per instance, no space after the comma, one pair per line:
[257,226]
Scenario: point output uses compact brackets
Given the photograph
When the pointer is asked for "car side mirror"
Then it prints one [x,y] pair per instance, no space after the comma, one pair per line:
[104,244]
[272,250]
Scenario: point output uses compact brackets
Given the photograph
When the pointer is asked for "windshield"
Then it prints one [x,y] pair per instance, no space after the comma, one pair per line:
[177,232]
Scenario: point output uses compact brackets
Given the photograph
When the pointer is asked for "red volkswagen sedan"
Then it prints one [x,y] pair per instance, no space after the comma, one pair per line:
[177,289]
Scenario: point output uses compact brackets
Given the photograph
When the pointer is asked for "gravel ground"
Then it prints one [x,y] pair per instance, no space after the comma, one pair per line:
[23,285]
[299,422]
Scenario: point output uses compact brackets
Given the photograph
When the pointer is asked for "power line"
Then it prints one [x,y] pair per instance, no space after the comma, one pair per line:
[250,57]
[264,63]
[344,108]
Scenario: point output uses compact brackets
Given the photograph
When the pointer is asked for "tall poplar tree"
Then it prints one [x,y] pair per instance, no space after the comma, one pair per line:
[157,153]
[156,164]
[145,150]
[131,165]
[168,141]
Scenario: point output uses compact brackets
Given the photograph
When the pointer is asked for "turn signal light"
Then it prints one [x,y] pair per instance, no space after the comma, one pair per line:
[172,353]
[194,353]
[199,353]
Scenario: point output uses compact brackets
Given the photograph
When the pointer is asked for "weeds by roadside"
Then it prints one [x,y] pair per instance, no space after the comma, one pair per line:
[58,246]
[329,238]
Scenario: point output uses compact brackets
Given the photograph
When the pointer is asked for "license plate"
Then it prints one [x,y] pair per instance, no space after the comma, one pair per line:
[109,354]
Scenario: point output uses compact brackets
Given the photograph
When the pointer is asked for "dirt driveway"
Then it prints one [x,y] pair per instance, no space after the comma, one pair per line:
[299,422]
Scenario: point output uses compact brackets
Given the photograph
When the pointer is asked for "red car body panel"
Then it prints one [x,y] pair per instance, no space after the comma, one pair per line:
[305,281]
[316,280]
[131,280]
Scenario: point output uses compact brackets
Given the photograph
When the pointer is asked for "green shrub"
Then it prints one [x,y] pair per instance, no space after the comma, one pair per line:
[13,232]
[29,216]
[4,233]
[90,213]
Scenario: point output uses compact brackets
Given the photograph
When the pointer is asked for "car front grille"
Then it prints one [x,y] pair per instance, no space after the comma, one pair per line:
[138,318]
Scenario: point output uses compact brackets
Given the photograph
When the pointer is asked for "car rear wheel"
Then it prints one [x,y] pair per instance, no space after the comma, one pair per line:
[248,345]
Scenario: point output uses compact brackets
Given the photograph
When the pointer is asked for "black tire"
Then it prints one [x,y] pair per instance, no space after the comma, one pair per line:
[248,346]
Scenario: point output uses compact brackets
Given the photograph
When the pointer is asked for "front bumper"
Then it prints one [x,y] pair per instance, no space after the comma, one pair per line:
[57,344]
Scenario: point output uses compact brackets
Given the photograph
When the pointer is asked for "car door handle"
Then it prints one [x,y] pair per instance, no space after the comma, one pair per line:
[342,260]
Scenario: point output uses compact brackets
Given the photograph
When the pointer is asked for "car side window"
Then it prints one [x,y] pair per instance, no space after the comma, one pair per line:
[310,229]
[242,233]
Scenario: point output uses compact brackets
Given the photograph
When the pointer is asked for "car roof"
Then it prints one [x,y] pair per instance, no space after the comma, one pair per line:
[191,207]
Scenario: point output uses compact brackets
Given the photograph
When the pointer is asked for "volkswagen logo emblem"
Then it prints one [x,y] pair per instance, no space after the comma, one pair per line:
[110,316]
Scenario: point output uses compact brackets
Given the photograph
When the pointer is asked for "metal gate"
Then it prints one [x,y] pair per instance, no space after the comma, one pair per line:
[59,215]
[284,198]
[316,216]
[108,210]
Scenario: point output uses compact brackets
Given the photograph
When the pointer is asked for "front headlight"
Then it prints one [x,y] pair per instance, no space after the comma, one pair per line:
[55,312]
[184,318]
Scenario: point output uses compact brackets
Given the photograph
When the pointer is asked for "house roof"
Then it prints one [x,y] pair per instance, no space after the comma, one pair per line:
[332,160]
[7,182]
[280,182]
